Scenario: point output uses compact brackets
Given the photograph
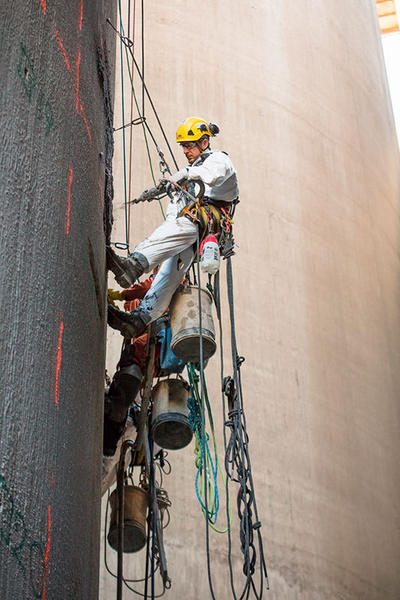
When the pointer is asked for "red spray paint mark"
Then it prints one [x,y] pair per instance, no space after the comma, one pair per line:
[47,553]
[86,123]
[63,50]
[77,101]
[69,199]
[44,7]
[81,17]
[59,358]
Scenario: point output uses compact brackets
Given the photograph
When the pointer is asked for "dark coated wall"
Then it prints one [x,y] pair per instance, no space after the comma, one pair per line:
[56,145]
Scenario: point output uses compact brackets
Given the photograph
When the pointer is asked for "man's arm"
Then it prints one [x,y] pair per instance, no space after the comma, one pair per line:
[216,169]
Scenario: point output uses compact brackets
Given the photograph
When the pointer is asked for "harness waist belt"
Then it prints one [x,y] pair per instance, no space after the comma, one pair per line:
[214,202]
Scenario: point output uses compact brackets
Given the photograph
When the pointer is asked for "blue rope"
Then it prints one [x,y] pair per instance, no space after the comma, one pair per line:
[195,421]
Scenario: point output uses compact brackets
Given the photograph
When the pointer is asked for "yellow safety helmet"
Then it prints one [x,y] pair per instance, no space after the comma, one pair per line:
[193,129]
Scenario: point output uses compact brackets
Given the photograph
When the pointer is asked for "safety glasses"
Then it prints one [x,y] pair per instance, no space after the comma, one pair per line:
[188,145]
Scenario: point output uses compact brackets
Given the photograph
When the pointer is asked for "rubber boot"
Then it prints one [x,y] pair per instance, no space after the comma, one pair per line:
[131,325]
[126,270]
[112,433]
[123,391]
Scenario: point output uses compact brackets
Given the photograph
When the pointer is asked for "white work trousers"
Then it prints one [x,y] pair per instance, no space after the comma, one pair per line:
[171,244]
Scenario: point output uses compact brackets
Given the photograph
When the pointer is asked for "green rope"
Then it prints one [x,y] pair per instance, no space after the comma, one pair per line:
[143,126]
[123,136]
[206,474]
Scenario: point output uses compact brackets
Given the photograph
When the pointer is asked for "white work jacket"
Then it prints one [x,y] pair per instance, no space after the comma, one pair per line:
[216,171]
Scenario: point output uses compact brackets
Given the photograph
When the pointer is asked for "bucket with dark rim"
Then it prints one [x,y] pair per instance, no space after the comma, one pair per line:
[136,501]
[185,324]
[170,424]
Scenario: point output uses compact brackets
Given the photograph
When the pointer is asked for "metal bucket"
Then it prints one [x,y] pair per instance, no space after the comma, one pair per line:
[170,423]
[185,326]
[130,378]
[136,501]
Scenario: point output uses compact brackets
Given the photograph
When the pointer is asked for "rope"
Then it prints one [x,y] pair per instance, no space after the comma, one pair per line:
[142,57]
[131,115]
[128,43]
[238,465]
[203,412]
[123,136]
[204,461]
[141,120]
[217,302]
[203,458]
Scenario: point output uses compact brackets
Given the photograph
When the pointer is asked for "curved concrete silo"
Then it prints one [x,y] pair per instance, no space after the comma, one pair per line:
[300,93]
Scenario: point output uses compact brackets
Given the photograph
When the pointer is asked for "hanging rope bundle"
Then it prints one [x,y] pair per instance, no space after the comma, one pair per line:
[237,458]
[207,467]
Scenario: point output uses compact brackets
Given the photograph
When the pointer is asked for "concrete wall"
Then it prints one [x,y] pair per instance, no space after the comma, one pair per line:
[52,311]
[300,93]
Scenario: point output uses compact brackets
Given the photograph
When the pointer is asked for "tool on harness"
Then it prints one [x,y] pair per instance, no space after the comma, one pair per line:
[212,217]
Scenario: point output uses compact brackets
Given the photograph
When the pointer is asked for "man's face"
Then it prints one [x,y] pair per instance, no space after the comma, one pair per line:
[193,150]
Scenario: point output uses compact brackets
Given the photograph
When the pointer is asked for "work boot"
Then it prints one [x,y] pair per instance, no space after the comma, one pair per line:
[126,270]
[131,325]
[112,433]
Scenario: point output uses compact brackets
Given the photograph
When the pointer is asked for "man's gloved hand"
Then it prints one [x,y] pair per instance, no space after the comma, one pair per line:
[114,295]
[176,177]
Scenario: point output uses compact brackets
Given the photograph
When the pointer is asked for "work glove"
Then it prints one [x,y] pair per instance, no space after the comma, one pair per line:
[178,176]
[114,295]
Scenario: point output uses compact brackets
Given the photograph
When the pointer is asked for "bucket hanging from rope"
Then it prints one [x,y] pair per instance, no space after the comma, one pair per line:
[170,423]
[185,324]
[136,501]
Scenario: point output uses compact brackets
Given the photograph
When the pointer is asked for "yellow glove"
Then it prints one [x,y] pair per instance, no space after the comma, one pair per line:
[114,295]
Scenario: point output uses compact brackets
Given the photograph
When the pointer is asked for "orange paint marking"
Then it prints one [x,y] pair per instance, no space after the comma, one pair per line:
[44,7]
[59,358]
[69,199]
[81,17]
[63,50]
[77,101]
[47,554]
[86,123]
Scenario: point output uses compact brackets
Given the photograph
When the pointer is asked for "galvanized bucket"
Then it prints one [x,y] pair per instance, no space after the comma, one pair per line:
[170,423]
[185,324]
[136,501]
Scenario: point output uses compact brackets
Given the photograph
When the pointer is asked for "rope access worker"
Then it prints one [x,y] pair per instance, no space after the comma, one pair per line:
[172,242]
